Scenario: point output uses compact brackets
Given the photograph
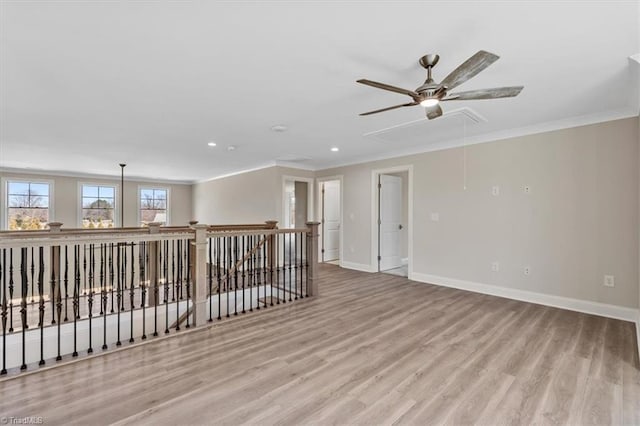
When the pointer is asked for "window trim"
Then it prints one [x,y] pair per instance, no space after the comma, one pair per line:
[4,193]
[116,202]
[156,187]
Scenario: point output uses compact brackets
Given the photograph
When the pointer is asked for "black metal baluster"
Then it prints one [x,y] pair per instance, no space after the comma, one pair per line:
[3,274]
[218,245]
[235,275]
[66,284]
[300,265]
[59,300]
[306,266]
[256,271]
[76,301]
[284,268]
[272,254]
[24,254]
[119,290]
[188,266]
[142,259]
[185,255]
[92,266]
[105,297]
[10,288]
[111,273]
[264,269]
[227,256]
[166,286]
[176,278]
[123,287]
[244,270]
[210,279]
[52,293]
[132,290]
[33,271]
[250,274]
[173,270]
[290,267]
[156,298]
[276,252]
[41,305]
[84,266]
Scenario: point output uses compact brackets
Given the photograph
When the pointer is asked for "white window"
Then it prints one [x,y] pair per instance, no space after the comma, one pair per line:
[28,205]
[153,205]
[98,206]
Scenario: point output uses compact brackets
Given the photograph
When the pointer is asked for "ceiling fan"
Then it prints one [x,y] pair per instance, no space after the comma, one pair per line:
[430,93]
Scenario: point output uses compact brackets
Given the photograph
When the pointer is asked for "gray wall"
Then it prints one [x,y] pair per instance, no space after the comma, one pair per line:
[66,198]
[579,222]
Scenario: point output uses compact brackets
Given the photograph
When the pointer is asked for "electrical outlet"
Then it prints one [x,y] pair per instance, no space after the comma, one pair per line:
[527,189]
[527,270]
[495,190]
[495,266]
[609,281]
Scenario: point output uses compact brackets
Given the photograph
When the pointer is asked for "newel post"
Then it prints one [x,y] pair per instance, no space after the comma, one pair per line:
[154,262]
[271,247]
[55,294]
[312,244]
[199,274]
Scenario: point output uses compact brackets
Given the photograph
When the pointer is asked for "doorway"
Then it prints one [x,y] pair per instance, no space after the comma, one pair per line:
[330,221]
[392,219]
[297,202]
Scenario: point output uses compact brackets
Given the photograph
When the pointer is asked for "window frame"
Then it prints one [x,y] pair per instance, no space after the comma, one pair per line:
[168,202]
[4,194]
[116,201]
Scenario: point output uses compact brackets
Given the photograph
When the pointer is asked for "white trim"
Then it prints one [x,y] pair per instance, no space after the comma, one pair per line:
[374,213]
[168,210]
[356,266]
[116,201]
[39,172]
[4,201]
[239,172]
[310,194]
[635,57]
[404,261]
[294,165]
[339,178]
[578,305]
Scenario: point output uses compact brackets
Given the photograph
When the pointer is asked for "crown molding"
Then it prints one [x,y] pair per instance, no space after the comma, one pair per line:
[41,172]
[551,126]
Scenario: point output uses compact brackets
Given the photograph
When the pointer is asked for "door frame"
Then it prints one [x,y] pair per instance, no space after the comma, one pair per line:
[375,235]
[310,195]
[319,181]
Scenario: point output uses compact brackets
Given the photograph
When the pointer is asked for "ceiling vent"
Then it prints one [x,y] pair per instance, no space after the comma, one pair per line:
[424,131]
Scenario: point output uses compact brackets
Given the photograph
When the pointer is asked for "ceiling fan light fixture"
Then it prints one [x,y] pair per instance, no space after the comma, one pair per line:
[430,102]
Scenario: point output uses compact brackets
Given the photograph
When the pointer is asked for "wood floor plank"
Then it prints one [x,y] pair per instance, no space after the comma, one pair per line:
[371,349]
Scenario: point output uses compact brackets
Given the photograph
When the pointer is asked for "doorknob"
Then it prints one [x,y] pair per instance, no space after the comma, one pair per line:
[400,226]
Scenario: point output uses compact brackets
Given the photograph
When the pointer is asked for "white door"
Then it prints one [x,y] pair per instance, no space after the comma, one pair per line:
[390,222]
[331,220]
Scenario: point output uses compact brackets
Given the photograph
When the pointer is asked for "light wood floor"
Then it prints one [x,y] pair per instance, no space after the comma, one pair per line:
[372,349]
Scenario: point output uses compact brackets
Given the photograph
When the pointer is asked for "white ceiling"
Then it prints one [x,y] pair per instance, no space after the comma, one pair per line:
[87,85]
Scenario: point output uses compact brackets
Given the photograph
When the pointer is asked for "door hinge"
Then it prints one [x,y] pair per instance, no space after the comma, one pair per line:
[379,258]
[379,186]
[379,222]
[322,250]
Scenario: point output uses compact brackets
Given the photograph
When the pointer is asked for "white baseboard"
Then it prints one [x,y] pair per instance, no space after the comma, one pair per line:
[356,266]
[404,261]
[586,306]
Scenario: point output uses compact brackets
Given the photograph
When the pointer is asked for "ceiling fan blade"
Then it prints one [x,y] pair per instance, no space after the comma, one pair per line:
[469,69]
[388,108]
[495,93]
[388,87]
[433,112]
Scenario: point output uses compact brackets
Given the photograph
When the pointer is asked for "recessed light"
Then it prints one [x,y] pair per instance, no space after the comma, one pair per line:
[279,128]
[335,149]
[212,144]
